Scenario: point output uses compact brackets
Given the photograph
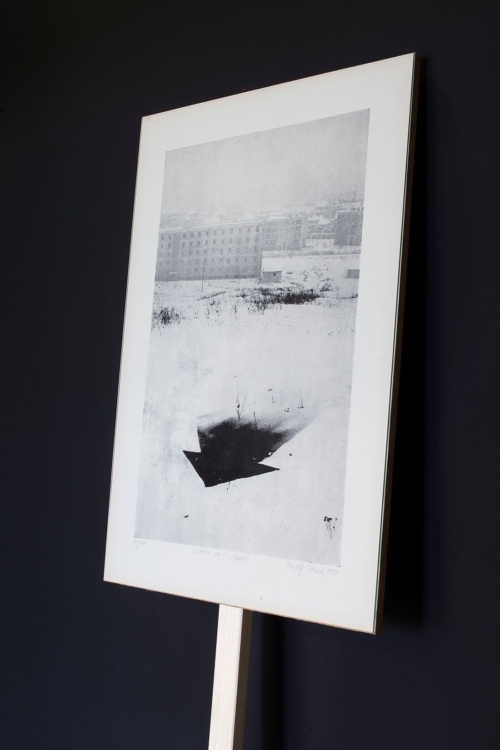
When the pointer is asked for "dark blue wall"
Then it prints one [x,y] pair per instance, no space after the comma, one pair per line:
[93,665]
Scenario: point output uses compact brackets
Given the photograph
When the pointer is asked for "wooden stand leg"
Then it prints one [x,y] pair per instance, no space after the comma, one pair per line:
[230,679]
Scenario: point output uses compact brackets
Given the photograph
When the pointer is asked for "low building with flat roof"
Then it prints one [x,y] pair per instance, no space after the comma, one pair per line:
[273,276]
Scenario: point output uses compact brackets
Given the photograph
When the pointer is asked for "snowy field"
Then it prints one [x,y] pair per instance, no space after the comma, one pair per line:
[262,352]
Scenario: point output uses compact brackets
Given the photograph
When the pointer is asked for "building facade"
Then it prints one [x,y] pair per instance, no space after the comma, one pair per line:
[284,233]
[234,250]
[348,228]
[225,251]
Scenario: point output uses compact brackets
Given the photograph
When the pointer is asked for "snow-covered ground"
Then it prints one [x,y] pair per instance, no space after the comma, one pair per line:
[233,346]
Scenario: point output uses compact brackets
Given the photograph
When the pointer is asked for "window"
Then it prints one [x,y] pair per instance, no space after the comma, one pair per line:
[222,241]
[198,243]
[223,231]
[184,234]
[199,234]
[230,242]
[215,231]
[206,234]
[183,244]
[206,242]
[230,231]
[192,234]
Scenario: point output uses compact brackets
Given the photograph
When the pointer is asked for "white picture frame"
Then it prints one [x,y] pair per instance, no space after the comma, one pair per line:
[348,592]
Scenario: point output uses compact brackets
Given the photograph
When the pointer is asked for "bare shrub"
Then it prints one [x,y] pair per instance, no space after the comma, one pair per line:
[266,297]
[165,316]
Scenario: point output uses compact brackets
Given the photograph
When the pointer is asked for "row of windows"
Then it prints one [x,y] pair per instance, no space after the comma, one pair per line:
[221,251]
[198,244]
[228,261]
[268,236]
[214,242]
[239,230]
[273,232]
[220,261]
[214,232]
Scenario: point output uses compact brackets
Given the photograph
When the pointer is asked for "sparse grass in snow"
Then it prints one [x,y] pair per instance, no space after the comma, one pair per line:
[165,316]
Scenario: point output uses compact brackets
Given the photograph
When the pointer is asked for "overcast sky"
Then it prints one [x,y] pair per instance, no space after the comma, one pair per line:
[290,166]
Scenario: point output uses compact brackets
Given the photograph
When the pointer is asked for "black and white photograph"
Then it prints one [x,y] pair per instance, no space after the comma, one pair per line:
[259,363]
[252,334]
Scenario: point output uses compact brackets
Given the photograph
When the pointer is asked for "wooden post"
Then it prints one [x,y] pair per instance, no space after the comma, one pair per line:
[232,655]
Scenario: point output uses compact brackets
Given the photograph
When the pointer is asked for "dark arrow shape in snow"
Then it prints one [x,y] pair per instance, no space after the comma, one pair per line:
[233,448]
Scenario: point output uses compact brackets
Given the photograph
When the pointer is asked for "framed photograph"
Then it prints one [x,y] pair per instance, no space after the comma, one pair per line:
[259,367]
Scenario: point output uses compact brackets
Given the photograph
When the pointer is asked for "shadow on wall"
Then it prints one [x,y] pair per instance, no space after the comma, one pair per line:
[404,581]
[265,703]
